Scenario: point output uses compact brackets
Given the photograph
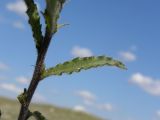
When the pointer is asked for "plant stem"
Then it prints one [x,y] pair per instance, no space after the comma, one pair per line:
[36,77]
[24,111]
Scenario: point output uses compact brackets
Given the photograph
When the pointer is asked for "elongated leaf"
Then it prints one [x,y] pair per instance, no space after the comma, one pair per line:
[34,21]
[36,114]
[61,25]
[51,14]
[77,64]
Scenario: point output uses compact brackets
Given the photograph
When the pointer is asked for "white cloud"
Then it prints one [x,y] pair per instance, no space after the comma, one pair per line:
[18,24]
[3,66]
[89,100]
[148,84]
[79,108]
[128,56]
[81,52]
[105,107]
[87,96]
[10,87]
[18,7]
[158,114]
[22,80]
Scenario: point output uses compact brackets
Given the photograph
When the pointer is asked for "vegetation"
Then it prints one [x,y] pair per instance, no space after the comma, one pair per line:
[10,110]
[42,41]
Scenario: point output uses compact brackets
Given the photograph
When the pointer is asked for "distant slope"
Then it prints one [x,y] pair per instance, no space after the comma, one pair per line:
[10,109]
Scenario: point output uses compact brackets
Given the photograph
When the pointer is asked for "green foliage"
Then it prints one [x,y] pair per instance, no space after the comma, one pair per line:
[34,21]
[61,26]
[37,115]
[10,108]
[22,97]
[51,14]
[77,64]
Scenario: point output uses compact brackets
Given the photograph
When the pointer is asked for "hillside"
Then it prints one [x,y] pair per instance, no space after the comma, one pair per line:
[10,108]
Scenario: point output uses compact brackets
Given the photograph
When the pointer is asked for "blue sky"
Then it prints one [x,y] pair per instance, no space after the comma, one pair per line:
[127,30]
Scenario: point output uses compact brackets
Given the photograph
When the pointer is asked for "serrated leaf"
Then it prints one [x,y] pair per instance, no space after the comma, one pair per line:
[34,21]
[51,14]
[37,115]
[78,64]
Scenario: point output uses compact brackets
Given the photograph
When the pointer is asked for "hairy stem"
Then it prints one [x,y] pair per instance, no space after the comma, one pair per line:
[24,111]
[35,79]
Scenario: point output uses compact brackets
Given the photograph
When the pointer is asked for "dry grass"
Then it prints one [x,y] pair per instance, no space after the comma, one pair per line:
[10,109]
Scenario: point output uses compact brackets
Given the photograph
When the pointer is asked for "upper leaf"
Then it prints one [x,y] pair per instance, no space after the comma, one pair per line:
[51,14]
[77,64]
[34,21]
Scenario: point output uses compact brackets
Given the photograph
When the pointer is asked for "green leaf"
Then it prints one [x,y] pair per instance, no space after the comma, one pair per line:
[51,14]
[61,25]
[77,64]
[34,21]
[37,115]
[23,97]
